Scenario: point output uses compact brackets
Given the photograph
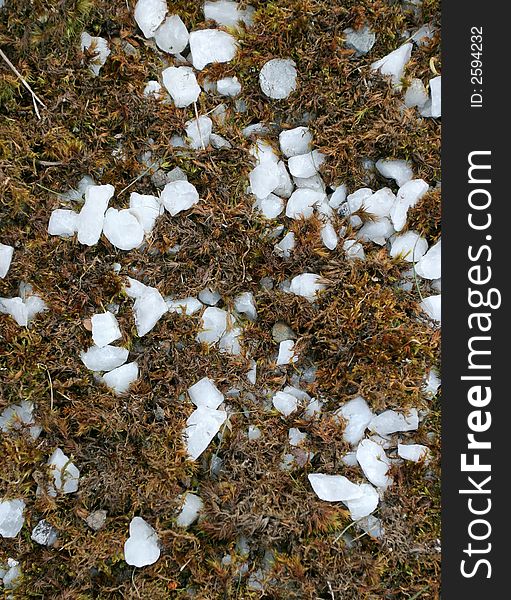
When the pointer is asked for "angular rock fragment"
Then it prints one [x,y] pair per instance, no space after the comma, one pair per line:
[142,547]
[149,15]
[178,196]
[278,78]
[211,46]
[182,85]
[105,358]
[120,379]
[172,35]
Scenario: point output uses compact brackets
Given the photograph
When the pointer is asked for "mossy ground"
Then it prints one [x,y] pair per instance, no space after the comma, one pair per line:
[365,335]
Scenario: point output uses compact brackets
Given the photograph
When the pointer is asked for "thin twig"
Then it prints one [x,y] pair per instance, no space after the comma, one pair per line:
[139,177]
[419,593]
[48,190]
[198,125]
[35,98]
[331,590]
[344,531]
[51,383]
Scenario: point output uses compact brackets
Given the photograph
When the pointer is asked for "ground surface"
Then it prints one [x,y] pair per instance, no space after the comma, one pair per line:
[129,449]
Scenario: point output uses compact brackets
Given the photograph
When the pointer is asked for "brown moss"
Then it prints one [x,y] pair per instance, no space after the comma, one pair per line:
[365,335]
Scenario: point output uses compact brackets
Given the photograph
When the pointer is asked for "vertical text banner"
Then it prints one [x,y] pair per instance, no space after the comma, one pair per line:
[475,321]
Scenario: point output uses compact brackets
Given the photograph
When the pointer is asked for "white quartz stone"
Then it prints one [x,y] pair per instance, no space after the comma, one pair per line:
[302,202]
[357,415]
[263,152]
[178,196]
[355,201]
[214,325]
[286,245]
[431,384]
[313,183]
[245,304]
[264,179]
[211,46]
[278,78]
[122,229]
[149,307]
[333,488]
[205,393]
[198,132]
[218,142]
[228,86]
[271,206]
[285,403]
[391,421]
[209,296]
[254,433]
[120,379]
[11,517]
[153,89]
[407,196]
[202,426]
[398,170]
[149,15]
[146,208]
[432,306]
[329,236]
[353,250]
[79,192]
[430,265]
[409,246]
[11,574]
[189,513]
[393,64]
[361,40]
[6,253]
[365,504]
[286,353]
[172,35]
[104,359]
[313,408]
[306,165]
[91,217]
[435,87]
[286,185]
[186,306]
[99,46]
[63,222]
[142,546]
[105,329]
[65,474]
[338,197]
[296,437]
[350,459]
[413,452]
[307,285]
[376,231]
[372,526]
[374,462]
[380,203]
[18,416]
[229,342]
[182,85]
[227,13]
[252,373]
[295,142]
[416,94]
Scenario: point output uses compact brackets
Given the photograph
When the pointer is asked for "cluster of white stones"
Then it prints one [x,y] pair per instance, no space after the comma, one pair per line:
[287,183]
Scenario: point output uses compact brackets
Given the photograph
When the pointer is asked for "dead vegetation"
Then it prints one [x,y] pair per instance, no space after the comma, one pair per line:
[365,335]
